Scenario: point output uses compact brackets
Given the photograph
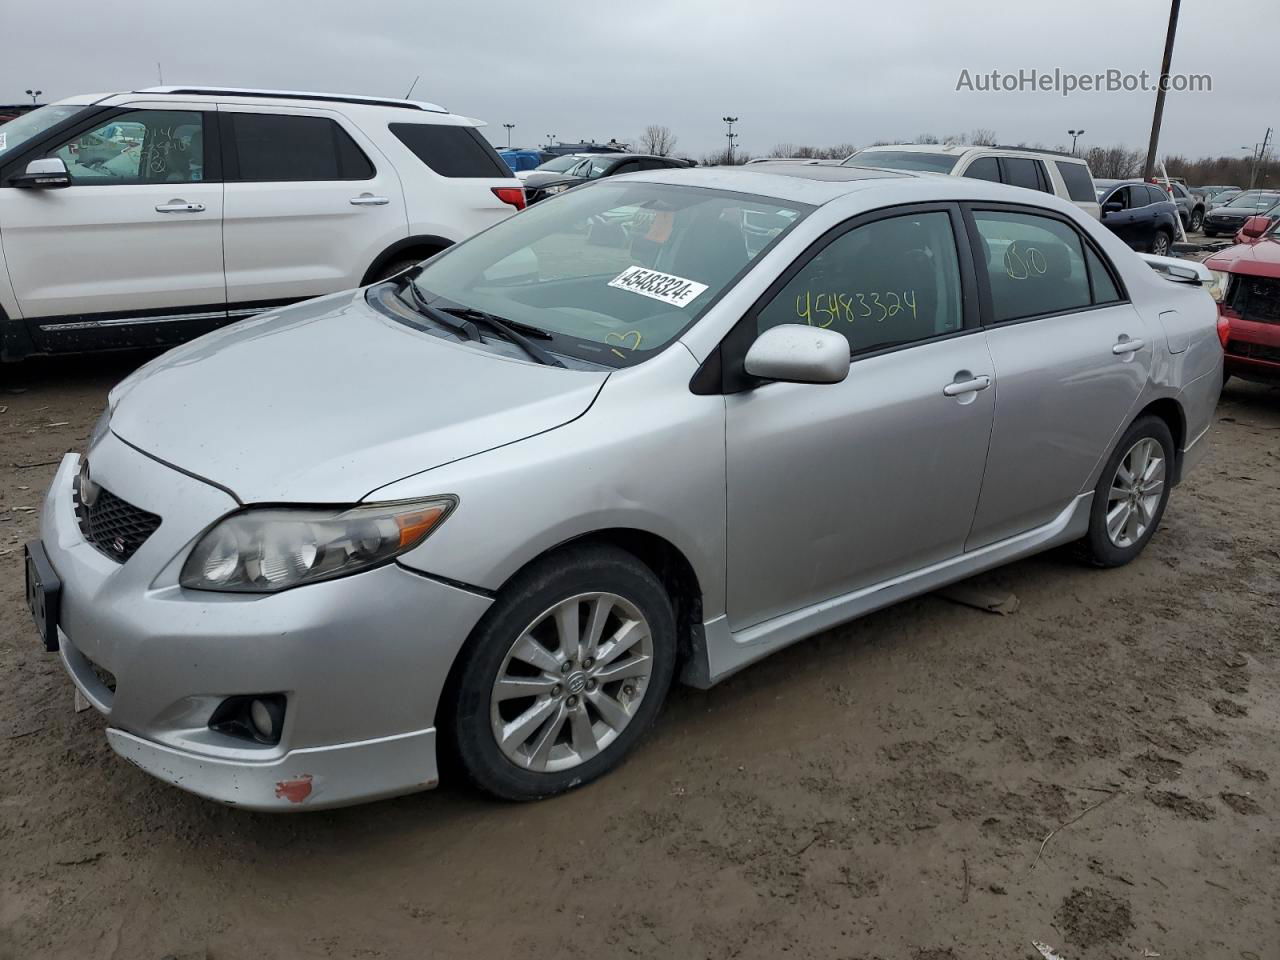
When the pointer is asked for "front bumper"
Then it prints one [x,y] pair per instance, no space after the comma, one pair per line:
[1253,350]
[361,660]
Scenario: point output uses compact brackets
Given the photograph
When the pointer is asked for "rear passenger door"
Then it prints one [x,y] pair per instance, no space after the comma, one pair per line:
[309,203]
[1070,355]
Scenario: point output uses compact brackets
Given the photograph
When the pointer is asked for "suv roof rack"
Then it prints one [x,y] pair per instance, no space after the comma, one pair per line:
[1054,153]
[297,95]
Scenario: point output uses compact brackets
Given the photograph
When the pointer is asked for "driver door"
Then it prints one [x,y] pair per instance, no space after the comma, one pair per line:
[137,234]
[835,487]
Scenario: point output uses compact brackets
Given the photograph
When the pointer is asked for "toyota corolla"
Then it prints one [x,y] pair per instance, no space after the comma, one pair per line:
[654,429]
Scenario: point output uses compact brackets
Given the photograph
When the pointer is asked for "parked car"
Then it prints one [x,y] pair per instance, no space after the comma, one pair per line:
[1191,208]
[544,496]
[224,203]
[559,164]
[1247,287]
[1231,216]
[540,184]
[1210,194]
[1047,171]
[519,160]
[1141,214]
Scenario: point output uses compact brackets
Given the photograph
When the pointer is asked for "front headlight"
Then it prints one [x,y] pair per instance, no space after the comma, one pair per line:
[1218,286]
[268,549]
[99,429]
[550,191]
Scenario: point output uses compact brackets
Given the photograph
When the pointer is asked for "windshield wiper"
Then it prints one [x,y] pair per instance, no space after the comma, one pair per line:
[465,329]
[517,333]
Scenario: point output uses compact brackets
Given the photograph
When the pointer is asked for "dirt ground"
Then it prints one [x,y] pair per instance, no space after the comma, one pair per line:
[881,791]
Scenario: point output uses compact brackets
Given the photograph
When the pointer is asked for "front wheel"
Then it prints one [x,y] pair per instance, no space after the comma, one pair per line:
[1197,220]
[1210,233]
[565,672]
[1131,494]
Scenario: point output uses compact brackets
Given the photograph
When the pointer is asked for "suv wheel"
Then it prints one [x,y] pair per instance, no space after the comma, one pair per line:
[565,672]
[1197,220]
[1160,244]
[1131,494]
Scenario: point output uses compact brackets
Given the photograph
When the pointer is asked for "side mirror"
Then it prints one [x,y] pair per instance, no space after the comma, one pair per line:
[795,353]
[1112,206]
[48,173]
[1255,227]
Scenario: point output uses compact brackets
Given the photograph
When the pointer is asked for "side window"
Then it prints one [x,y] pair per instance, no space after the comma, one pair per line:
[1035,264]
[1104,288]
[1021,172]
[1157,195]
[451,151]
[145,146]
[1076,177]
[267,147]
[1139,196]
[984,168]
[892,281]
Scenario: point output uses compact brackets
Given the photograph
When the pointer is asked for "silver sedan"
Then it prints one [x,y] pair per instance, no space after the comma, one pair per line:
[653,429]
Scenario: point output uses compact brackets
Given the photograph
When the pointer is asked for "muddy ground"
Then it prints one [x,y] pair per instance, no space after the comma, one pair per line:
[883,790]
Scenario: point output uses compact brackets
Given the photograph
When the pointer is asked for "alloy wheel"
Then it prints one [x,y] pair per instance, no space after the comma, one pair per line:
[1160,245]
[1136,491]
[571,682]
[1197,220]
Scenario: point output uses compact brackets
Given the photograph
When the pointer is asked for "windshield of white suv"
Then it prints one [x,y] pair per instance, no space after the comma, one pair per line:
[902,160]
[21,129]
[612,272]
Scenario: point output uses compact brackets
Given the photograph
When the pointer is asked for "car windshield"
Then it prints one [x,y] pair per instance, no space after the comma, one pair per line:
[1255,201]
[614,272]
[902,160]
[560,164]
[21,129]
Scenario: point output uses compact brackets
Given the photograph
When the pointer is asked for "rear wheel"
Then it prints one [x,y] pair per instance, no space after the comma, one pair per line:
[1160,244]
[564,674]
[1131,494]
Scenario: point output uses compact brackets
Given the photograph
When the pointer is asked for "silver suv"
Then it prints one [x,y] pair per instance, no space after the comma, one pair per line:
[659,426]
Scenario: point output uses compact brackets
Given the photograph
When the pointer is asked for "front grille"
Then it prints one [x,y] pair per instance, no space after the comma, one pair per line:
[1257,298]
[114,526]
[1254,351]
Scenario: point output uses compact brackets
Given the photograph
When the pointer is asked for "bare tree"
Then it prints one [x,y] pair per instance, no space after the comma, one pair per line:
[926,138]
[657,140]
[956,138]
[983,137]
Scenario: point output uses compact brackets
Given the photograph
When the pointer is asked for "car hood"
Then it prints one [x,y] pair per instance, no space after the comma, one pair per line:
[1260,258]
[1245,212]
[326,401]
[535,180]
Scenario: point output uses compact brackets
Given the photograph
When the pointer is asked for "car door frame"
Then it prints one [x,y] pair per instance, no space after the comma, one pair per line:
[109,329]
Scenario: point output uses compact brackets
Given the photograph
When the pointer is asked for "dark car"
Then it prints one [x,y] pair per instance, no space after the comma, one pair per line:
[1140,214]
[1231,216]
[1216,194]
[1191,208]
[539,185]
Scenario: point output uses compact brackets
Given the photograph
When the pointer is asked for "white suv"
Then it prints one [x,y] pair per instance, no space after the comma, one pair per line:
[1061,174]
[150,217]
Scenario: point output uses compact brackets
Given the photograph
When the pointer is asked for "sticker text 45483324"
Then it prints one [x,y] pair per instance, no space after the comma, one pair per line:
[666,287]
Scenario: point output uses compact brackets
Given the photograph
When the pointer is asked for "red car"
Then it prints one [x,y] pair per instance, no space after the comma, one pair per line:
[1247,288]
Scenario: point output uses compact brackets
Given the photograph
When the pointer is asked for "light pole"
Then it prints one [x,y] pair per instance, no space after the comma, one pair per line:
[510,127]
[551,139]
[731,136]
[33,94]
[1074,134]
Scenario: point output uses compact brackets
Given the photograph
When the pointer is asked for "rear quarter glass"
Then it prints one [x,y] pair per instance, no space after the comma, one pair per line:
[452,151]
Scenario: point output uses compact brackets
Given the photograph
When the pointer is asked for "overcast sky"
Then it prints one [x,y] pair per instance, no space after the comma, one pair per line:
[801,71]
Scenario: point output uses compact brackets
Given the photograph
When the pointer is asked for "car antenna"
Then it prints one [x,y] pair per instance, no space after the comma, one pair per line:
[412,85]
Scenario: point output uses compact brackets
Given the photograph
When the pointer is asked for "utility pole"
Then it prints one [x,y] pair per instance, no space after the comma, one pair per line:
[510,127]
[1259,157]
[730,135]
[1074,134]
[33,94]
[1150,167]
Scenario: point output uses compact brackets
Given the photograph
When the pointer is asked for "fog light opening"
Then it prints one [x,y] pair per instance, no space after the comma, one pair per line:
[259,718]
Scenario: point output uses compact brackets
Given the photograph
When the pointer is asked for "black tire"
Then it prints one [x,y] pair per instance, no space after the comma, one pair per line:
[1098,546]
[465,716]
[1210,232]
[394,267]
[1197,220]
[1159,240]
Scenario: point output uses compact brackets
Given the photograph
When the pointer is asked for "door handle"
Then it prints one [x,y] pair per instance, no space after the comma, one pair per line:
[179,206]
[1125,345]
[365,200]
[960,387]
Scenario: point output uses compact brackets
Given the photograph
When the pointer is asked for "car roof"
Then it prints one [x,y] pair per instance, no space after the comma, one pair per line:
[216,93]
[956,149]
